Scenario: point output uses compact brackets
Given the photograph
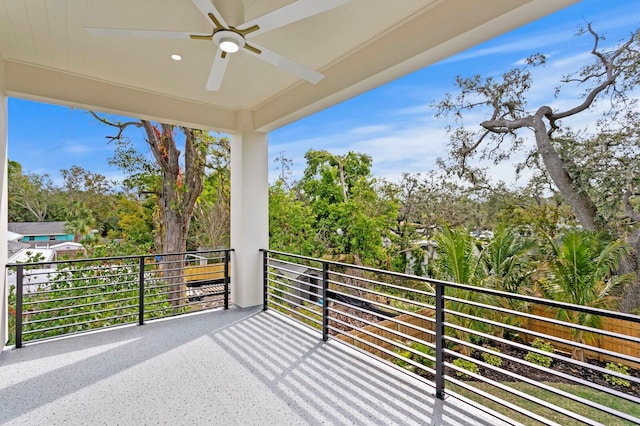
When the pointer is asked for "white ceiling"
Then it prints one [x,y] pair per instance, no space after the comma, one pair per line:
[48,55]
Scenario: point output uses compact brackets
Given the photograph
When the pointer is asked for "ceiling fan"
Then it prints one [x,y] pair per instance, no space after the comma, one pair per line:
[229,39]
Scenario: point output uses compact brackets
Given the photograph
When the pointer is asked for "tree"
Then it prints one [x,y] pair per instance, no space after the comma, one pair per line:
[612,73]
[176,183]
[212,213]
[30,192]
[507,266]
[79,220]
[595,171]
[284,169]
[93,191]
[352,211]
[458,261]
[134,224]
[291,223]
[583,271]
[505,260]
[176,190]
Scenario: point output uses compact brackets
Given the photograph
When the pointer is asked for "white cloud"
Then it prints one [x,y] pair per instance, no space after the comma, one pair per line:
[83,148]
[525,43]
[369,130]
[76,149]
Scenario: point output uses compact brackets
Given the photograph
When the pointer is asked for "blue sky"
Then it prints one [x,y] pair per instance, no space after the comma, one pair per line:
[394,123]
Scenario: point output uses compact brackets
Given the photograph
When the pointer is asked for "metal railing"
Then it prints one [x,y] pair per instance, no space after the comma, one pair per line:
[506,354]
[63,297]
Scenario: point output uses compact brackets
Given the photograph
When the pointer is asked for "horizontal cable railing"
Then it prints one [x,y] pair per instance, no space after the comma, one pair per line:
[521,358]
[71,296]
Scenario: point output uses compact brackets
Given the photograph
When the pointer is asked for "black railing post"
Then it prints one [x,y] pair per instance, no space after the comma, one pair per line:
[325,301]
[439,340]
[265,279]
[141,291]
[19,292]
[226,279]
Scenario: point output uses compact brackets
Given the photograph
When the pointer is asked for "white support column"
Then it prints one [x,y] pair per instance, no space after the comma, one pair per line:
[4,290]
[249,211]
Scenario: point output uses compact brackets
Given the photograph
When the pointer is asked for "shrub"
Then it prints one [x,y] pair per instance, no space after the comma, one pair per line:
[467,365]
[492,359]
[618,368]
[537,358]
[412,356]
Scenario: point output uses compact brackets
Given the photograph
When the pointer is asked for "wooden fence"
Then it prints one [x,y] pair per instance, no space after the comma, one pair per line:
[391,330]
[608,343]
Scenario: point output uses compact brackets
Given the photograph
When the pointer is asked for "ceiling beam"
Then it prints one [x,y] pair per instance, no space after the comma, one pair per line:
[31,82]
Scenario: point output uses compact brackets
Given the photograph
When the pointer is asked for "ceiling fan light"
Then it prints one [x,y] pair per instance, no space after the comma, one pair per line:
[229,45]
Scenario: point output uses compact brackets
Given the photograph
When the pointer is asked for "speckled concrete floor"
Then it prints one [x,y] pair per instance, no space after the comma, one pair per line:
[235,367]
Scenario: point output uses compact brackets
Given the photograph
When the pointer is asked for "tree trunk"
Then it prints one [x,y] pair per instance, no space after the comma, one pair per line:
[343,183]
[581,203]
[177,198]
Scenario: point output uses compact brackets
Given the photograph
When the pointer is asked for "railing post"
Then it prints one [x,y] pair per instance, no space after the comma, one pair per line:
[141,291]
[325,302]
[439,340]
[19,292]
[265,279]
[226,279]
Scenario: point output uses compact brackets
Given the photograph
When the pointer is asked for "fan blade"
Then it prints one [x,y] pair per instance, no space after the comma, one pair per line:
[280,61]
[218,70]
[118,32]
[291,13]
[206,7]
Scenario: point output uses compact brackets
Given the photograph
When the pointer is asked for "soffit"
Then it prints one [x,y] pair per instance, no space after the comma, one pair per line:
[48,54]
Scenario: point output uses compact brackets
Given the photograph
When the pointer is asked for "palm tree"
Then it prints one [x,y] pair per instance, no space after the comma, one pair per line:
[80,220]
[507,267]
[458,261]
[583,271]
[505,260]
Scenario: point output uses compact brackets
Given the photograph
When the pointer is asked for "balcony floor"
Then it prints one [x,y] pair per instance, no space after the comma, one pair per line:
[240,366]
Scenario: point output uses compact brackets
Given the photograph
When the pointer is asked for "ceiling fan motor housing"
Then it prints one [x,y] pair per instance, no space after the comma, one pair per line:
[225,39]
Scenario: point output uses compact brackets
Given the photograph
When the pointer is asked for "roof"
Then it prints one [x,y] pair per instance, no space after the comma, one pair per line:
[15,246]
[293,270]
[67,245]
[50,53]
[38,228]
[13,236]
[26,255]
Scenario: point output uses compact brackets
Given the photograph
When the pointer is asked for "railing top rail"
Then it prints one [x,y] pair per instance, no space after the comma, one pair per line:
[524,298]
[129,257]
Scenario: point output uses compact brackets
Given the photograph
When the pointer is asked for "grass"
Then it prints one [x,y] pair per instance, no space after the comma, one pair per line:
[581,391]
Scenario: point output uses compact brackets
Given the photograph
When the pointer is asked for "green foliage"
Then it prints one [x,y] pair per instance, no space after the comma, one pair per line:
[505,259]
[537,358]
[407,354]
[467,365]
[492,359]
[79,220]
[120,248]
[337,207]
[89,200]
[583,267]
[135,222]
[291,223]
[457,261]
[90,296]
[615,380]
[32,197]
